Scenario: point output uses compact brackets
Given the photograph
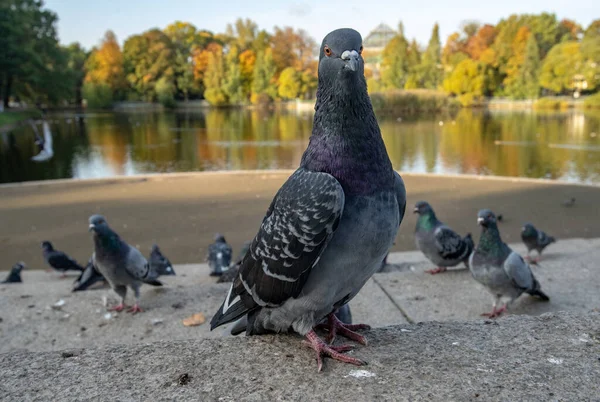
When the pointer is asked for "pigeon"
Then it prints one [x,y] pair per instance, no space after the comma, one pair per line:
[332,222]
[535,240]
[14,276]
[219,256]
[59,260]
[440,244]
[88,278]
[569,202]
[502,271]
[121,264]
[230,274]
[159,264]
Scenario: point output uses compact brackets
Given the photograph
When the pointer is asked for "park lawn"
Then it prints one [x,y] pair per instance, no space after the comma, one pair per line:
[11,117]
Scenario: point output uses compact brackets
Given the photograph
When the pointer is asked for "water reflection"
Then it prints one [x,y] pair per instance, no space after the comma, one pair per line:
[559,145]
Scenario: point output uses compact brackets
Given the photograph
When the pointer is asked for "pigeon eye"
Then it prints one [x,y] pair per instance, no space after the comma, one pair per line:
[327,51]
[360,50]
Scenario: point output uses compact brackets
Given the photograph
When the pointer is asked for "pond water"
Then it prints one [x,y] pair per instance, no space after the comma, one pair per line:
[558,145]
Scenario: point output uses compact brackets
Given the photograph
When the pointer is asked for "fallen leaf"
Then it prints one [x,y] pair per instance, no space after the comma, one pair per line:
[194,320]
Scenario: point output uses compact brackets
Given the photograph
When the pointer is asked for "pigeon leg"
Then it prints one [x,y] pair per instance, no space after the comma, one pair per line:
[136,307]
[335,352]
[63,275]
[337,327]
[122,292]
[119,307]
[436,271]
[495,312]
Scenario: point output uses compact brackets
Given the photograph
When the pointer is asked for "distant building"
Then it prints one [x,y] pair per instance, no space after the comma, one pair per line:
[374,44]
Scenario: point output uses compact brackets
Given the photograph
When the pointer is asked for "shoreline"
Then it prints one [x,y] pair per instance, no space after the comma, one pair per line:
[181,212]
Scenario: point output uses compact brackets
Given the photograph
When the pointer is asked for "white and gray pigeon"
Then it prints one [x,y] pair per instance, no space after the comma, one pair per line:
[122,265]
[440,244]
[159,264]
[219,255]
[502,271]
[535,239]
[58,260]
[332,222]
[14,276]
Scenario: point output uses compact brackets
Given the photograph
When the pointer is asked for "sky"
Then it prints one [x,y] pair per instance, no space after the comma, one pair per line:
[86,21]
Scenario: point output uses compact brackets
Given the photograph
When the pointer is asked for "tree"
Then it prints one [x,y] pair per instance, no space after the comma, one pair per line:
[431,66]
[247,61]
[105,65]
[477,44]
[184,38]
[200,61]
[292,48]
[513,82]
[233,82]
[147,58]
[530,69]
[413,59]
[469,77]
[214,79]
[76,57]
[289,84]
[394,65]
[263,88]
[560,66]
[242,33]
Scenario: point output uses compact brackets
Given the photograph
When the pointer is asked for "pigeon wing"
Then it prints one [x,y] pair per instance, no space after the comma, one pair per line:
[296,229]
[518,271]
[449,244]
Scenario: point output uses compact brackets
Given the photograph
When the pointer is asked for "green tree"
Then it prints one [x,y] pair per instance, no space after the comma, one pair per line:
[561,65]
[214,80]
[394,65]
[289,84]
[165,92]
[242,33]
[530,69]
[148,58]
[513,82]
[413,57]
[263,88]
[184,39]
[431,65]
[233,82]
[76,57]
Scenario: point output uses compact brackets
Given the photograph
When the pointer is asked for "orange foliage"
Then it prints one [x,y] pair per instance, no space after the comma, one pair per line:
[480,42]
[201,58]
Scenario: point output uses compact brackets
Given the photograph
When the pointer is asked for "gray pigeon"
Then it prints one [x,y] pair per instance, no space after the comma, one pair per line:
[88,278]
[535,240]
[332,222]
[58,260]
[14,275]
[502,271]
[159,264]
[219,255]
[231,273]
[121,264]
[440,244]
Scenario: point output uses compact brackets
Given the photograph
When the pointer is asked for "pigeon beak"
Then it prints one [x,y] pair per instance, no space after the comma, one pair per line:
[415,210]
[351,57]
[91,227]
[480,221]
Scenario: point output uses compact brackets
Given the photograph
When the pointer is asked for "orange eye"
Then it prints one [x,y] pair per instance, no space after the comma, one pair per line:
[327,51]
[360,50]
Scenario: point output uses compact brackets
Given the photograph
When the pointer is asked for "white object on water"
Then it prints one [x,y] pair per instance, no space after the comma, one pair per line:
[47,152]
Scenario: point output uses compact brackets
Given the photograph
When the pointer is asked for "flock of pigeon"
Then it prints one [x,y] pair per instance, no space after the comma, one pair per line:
[494,264]
[329,228]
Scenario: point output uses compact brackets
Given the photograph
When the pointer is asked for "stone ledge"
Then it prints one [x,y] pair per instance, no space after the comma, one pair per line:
[555,356]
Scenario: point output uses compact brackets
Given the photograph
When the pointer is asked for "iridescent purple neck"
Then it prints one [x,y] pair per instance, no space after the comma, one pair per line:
[346,141]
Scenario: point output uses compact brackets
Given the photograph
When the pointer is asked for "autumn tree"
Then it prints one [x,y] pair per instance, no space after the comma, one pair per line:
[105,66]
[413,57]
[394,64]
[560,66]
[184,38]
[263,88]
[292,48]
[289,83]
[233,83]
[200,61]
[513,83]
[214,79]
[431,66]
[242,33]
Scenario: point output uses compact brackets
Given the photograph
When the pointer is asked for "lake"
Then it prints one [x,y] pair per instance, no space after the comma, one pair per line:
[557,145]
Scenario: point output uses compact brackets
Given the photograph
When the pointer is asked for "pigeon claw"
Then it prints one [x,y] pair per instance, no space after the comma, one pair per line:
[495,312]
[337,327]
[335,352]
[437,270]
[135,309]
[118,307]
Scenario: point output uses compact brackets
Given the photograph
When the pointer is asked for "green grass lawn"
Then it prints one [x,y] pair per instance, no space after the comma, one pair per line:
[9,117]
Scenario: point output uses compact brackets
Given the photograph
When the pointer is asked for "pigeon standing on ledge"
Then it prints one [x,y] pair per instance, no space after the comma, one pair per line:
[159,264]
[59,260]
[440,244]
[14,276]
[219,255]
[502,271]
[535,239]
[88,278]
[332,222]
[121,264]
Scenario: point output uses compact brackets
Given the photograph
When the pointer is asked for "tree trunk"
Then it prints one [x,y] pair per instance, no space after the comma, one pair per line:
[7,89]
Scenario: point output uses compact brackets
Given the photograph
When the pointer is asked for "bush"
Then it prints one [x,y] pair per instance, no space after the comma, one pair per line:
[592,102]
[550,104]
[469,100]
[412,101]
[97,96]
[165,92]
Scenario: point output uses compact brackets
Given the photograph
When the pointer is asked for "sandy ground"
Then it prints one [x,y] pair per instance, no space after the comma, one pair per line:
[182,212]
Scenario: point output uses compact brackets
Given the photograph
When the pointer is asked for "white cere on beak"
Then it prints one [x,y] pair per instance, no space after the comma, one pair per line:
[349,54]
[479,220]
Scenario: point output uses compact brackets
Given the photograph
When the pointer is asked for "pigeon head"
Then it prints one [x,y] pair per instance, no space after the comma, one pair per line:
[47,246]
[18,267]
[422,208]
[486,218]
[98,224]
[219,238]
[155,248]
[528,229]
[340,56]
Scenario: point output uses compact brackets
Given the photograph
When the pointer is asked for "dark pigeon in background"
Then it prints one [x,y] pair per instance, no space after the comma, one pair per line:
[535,239]
[569,202]
[502,271]
[230,274]
[122,265]
[440,244]
[160,264]
[88,278]
[332,222]
[219,255]
[14,276]
[58,260]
